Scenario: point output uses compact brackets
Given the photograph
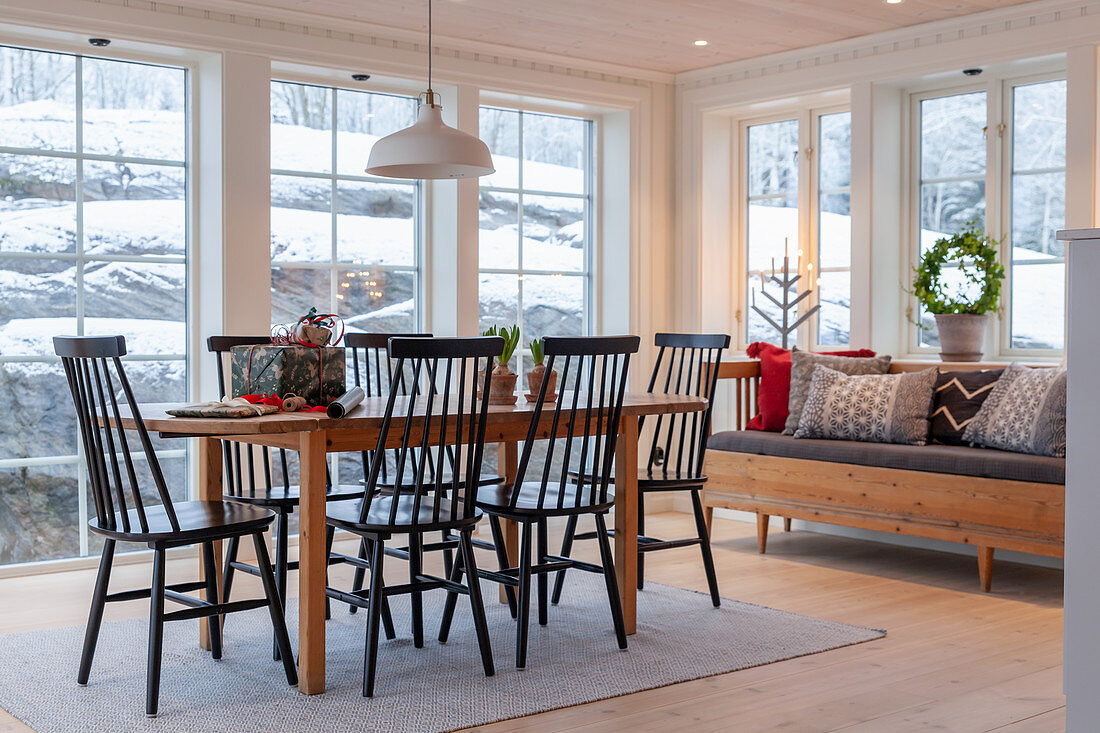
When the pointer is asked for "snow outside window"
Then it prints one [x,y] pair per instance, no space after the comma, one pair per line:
[341,241]
[93,241]
[955,186]
[535,214]
[792,199]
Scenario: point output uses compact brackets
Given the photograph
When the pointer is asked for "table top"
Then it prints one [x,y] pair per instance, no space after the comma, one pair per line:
[370,412]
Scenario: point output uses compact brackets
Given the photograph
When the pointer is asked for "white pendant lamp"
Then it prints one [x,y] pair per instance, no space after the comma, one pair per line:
[430,149]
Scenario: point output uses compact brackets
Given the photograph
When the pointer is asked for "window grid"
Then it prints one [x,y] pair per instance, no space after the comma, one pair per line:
[523,352]
[822,193]
[81,260]
[999,178]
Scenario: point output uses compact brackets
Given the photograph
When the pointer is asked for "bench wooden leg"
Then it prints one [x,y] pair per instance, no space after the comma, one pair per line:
[985,567]
[762,531]
[786,524]
[708,518]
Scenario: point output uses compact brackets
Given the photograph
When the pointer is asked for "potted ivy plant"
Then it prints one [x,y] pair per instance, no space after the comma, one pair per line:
[961,316]
[538,373]
[502,387]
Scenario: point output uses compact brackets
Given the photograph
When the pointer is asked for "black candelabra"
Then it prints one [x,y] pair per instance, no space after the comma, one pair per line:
[788,304]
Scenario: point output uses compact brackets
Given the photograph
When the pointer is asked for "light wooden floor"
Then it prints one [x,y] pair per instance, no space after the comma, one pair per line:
[954,659]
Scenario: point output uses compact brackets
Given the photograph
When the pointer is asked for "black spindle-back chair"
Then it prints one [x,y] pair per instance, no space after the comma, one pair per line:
[571,478]
[105,403]
[242,484]
[449,418]
[687,364]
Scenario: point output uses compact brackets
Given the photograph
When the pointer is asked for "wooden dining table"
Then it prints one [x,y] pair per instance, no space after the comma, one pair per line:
[314,434]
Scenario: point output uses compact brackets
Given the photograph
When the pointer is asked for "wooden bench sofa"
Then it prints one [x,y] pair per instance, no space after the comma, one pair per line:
[978,496]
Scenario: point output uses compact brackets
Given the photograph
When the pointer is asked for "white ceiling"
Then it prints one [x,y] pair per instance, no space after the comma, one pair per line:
[647,34]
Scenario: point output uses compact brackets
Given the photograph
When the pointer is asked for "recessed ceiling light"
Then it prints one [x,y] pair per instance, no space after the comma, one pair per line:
[893,2]
[701,43]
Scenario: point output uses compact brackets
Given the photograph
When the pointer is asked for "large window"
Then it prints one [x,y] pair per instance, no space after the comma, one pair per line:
[1018,127]
[797,206]
[341,241]
[535,228]
[93,241]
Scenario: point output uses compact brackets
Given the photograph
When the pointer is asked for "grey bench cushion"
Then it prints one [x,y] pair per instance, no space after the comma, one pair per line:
[954,459]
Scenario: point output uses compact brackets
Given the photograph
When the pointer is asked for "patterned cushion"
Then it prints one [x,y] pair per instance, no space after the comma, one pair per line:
[802,371]
[873,408]
[1025,413]
[958,397]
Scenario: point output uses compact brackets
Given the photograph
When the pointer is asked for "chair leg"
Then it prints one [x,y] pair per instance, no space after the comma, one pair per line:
[786,524]
[448,555]
[477,603]
[210,574]
[360,573]
[502,561]
[641,533]
[416,557]
[610,581]
[330,533]
[524,610]
[455,574]
[704,547]
[95,615]
[275,608]
[543,579]
[156,635]
[229,571]
[566,548]
[374,616]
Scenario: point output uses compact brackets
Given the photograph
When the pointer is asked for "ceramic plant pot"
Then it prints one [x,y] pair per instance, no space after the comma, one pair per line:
[962,336]
[534,384]
[502,387]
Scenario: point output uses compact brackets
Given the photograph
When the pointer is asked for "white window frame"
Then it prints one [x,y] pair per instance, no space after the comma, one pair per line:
[334,265]
[80,259]
[809,204]
[998,203]
[588,273]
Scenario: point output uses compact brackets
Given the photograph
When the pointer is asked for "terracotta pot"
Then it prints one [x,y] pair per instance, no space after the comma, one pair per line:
[962,336]
[534,384]
[502,387]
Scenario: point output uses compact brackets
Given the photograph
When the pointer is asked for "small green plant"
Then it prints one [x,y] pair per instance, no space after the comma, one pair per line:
[536,351]
[511,341]
[976,255]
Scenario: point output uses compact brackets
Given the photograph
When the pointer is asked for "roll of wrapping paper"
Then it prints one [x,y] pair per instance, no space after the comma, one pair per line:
[343,405]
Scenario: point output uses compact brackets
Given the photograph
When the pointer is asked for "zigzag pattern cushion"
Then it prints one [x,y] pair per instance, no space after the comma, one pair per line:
[1025,413]
[874,408]
[959,396]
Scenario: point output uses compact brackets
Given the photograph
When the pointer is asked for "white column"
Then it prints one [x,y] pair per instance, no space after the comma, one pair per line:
[1082,591]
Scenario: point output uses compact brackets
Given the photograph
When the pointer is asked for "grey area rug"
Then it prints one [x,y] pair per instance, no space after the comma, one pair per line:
[440,687]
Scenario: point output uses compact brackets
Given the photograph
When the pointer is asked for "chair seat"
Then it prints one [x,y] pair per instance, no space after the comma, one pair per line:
[290,496]
[498,500]
[345,515]
[661,482]
[198,520]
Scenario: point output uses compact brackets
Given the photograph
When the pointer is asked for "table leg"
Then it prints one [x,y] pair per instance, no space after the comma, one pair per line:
[507,465]
[210,489]
[312,563]
[626,519]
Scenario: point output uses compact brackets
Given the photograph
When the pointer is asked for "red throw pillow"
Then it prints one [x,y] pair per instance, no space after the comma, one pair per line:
[775,383]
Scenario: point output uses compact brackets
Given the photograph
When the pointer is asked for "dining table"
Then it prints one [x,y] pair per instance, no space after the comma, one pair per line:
[313,435]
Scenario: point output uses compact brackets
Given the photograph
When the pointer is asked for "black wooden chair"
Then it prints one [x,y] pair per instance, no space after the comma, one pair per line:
[374,370]
[242,486]
[123,516]
[420,501]
[587,411]
[687,364]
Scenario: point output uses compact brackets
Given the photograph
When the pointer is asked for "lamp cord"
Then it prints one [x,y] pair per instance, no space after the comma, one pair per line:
[429,46]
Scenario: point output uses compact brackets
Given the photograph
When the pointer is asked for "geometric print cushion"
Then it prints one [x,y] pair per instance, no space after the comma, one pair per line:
[959,395]
[1024,413]
[803,364]
[873,408]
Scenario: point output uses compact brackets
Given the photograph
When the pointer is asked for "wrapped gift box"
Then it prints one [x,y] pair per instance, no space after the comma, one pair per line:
[317,374]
